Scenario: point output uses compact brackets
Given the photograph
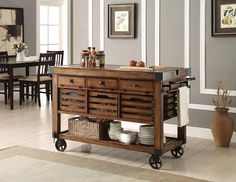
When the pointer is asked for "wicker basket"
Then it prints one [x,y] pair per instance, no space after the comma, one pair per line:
[91,128]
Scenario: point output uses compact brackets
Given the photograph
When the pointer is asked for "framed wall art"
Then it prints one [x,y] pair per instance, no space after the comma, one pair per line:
[121,20]
[223,17]
[11,28]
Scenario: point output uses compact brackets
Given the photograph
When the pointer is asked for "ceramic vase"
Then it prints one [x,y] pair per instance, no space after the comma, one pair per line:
[20,56]
[222,127]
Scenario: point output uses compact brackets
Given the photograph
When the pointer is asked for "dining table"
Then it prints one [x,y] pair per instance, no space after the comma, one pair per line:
[12,64]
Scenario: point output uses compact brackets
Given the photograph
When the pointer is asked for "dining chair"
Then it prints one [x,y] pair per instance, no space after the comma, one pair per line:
[42,78]
[4,76]
[59,58]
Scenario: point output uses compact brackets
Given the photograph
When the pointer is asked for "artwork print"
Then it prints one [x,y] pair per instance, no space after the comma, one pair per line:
[11,28]
[122,21]
[228,16]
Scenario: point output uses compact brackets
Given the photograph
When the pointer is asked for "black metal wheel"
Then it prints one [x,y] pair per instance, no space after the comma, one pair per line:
[177,152]
[155,162]
[60,145]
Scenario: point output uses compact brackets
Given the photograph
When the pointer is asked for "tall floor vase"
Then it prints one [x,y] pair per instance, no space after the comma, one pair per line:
[222,127]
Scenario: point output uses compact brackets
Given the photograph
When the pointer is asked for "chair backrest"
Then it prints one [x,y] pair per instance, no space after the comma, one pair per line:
[45,61]
[3,58]
[59,56]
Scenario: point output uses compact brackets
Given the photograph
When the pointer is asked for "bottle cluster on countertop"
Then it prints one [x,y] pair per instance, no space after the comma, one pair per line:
[92,58]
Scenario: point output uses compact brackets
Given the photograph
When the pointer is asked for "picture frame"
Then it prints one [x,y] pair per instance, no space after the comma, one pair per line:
[11,28]
[122,21]
[223,17]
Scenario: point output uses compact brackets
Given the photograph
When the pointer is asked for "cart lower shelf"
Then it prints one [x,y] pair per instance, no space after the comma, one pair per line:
[170,144]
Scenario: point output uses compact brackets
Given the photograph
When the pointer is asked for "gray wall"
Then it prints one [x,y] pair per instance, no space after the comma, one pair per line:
[118,51]
[220,51]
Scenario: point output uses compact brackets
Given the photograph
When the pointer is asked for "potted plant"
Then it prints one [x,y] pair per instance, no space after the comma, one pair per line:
[222,125]
[21,50]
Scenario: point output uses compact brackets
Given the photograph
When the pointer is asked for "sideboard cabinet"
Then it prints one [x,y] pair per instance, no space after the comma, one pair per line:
[148,97]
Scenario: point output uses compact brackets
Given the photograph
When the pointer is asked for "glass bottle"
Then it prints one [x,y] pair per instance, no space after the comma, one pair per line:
[89,50]
[86,58]
[93,52]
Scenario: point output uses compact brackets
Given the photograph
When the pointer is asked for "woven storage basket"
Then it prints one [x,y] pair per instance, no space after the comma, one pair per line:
[91,128]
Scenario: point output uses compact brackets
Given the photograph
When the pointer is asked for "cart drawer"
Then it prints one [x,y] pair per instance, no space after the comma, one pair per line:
[103,104]
[71,81]
[72,100]
[136,85]
[101,83]
[137,107]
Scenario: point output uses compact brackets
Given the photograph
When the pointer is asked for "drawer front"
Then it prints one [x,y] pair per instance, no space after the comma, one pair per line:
[100,83]
[137,107]
[103,104]
[71,81]
[72,100]
[136,85]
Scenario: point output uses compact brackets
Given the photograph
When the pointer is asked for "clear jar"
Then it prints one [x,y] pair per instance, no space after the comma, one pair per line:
[102,58]
[82,57]
[97,60]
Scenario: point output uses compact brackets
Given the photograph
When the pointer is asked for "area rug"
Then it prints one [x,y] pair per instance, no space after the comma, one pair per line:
[20,164]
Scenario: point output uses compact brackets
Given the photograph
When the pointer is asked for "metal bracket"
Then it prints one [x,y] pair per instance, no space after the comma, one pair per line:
[55,135]
[158,152]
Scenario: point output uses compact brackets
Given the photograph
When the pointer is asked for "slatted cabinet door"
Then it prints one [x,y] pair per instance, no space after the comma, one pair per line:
[138,107]
[72,100]
[170,106]
[103,104]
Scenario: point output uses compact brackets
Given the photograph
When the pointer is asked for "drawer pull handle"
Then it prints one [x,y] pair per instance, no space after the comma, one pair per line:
[71,81]
[102,82]
[135,85]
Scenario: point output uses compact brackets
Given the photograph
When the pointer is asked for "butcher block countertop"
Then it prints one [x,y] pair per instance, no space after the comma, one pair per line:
[118,71]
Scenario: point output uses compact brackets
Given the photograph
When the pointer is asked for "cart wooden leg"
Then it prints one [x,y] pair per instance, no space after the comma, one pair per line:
[182,133]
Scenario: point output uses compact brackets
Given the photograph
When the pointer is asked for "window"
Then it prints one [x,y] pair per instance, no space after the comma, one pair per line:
[50,28]
[54,26]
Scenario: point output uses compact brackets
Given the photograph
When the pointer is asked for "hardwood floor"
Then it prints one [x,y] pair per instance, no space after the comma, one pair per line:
[30,126]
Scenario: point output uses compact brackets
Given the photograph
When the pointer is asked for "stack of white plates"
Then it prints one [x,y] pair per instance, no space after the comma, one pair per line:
[146,134]
[128,137]
[115,129]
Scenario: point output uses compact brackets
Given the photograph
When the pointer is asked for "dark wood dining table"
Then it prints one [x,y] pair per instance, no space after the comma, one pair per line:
[11,65]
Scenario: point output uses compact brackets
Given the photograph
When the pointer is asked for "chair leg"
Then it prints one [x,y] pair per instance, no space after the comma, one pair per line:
[35,93]
[51,91]
[5,92]
[21,92]
[47,89]
[37,88]
[27,91]
[32,92]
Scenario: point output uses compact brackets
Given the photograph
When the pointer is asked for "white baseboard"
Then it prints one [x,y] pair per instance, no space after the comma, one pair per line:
[204,107]
[196,132]
[171,129]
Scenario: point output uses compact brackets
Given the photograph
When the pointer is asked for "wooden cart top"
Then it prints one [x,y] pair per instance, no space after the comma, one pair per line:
[117,72]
